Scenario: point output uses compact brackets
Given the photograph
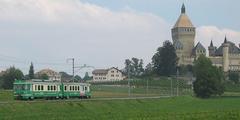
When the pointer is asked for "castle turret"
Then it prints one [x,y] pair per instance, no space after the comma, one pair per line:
[184,32]
[225,55]
[211,49]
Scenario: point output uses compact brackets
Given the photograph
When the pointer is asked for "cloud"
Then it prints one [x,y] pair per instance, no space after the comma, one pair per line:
[54,30]
[45,30]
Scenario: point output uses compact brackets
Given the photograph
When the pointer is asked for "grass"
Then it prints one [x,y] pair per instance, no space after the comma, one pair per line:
[6,95]
[143,87]
[186,107]
[159,82]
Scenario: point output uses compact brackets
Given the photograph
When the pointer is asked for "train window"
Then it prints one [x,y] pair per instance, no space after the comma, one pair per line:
[54,87]
[85,88]
[51,87]
[78,88]
[38,87]
[28,87]
[35,87]
[41,87]
[65,87]
[70,88]
[75,87]
[48,87]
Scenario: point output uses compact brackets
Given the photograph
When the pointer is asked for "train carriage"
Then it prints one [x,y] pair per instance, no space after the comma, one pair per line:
[33,89]
[80,90]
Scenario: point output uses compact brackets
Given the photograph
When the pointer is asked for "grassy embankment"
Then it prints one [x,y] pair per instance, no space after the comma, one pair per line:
[187,108]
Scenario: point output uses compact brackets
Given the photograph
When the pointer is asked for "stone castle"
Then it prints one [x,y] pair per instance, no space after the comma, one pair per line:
[227,56]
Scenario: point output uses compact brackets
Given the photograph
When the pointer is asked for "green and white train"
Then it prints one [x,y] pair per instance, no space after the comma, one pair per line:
[34,89]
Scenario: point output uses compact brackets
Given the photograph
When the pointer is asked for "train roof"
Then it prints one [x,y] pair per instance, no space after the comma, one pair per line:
[40,81]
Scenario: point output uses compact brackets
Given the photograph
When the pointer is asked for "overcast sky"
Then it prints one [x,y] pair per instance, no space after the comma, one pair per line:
[103,33]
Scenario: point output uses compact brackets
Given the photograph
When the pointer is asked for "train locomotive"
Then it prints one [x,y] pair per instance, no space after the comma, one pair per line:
[45,89]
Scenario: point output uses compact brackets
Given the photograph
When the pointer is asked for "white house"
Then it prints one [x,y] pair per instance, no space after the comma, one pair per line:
[104,75]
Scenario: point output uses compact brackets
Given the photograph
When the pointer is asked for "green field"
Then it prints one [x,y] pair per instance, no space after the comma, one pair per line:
[174,108]
[186,107]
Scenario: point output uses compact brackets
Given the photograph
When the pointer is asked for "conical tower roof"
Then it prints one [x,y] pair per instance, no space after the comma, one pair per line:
[183,20]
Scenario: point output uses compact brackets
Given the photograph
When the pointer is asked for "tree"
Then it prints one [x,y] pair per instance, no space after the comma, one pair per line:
[209,79]
[128,67]
[234,76]
[31,72]
[148,70]
[165,60]
[1,82]
[140,68]
[134,67]
[9,76]
[44,76]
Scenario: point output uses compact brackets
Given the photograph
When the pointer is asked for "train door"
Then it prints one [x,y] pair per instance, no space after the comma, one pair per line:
[82,90]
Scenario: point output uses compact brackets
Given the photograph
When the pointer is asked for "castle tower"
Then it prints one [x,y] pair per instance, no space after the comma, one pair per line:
[184,32]
[211,49]
[225,55]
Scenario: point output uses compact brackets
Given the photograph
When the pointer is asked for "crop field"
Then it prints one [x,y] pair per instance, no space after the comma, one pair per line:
[184,107]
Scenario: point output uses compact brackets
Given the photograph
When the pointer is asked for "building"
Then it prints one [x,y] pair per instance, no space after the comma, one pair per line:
[183,36]
[52,75]
[227,56]
[111,74]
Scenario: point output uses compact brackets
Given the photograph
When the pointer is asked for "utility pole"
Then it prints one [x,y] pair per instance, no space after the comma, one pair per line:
[72,59]
[129,87]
